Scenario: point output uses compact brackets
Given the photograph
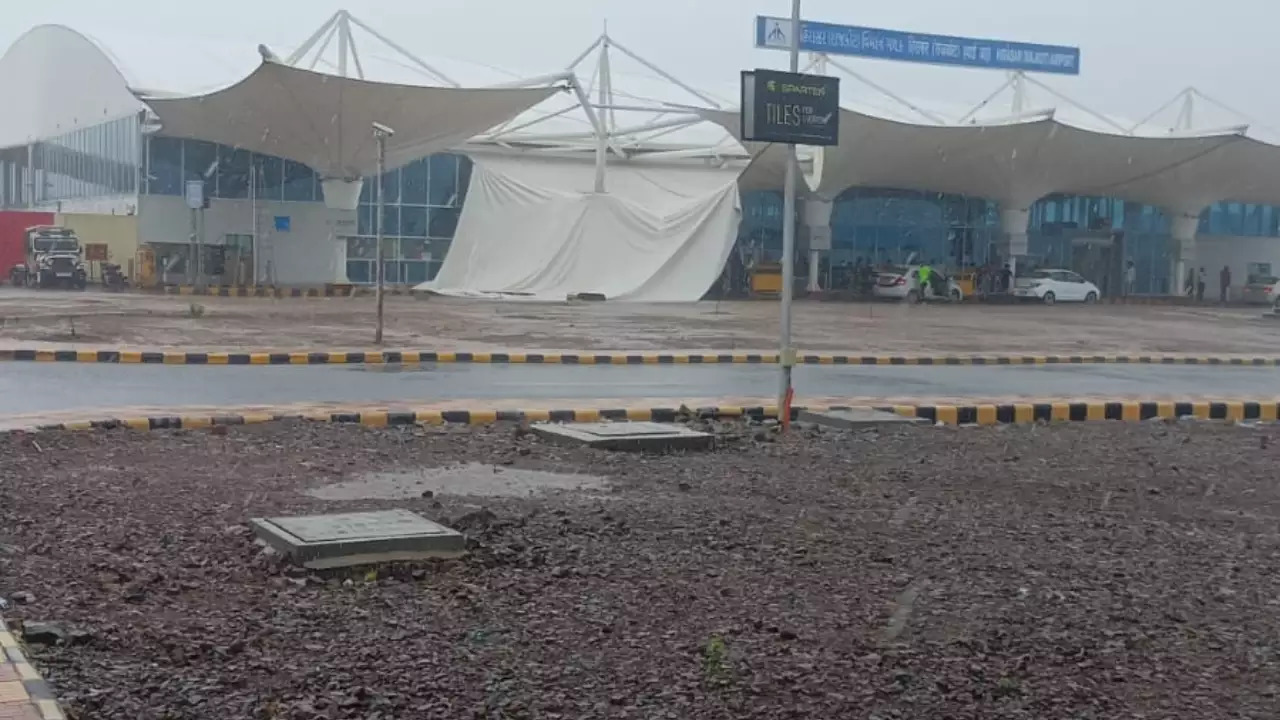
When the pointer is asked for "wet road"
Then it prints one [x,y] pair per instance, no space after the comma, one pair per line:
[41,387]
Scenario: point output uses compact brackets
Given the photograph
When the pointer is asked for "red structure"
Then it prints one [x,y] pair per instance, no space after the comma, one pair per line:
[13,227]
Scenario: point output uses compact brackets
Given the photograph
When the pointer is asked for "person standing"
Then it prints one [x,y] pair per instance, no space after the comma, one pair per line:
[1224,284]
[1201,284]
[1130,279]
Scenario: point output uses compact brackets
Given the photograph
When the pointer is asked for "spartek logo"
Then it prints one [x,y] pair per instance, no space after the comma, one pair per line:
[771,86]
[810,90]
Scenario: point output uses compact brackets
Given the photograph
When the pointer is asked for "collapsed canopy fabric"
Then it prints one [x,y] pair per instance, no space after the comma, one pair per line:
[531,228]
[326,121]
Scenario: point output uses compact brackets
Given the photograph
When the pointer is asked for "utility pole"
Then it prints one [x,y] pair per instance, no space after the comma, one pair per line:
[786,355]
[381,133]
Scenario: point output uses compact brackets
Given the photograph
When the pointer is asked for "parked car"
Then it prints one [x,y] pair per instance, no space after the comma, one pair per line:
[1261,290]
[1052,286]
[902,282]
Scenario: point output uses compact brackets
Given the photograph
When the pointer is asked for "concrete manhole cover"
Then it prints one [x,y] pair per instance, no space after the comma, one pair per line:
[636,436]
[364,538]
[467,479]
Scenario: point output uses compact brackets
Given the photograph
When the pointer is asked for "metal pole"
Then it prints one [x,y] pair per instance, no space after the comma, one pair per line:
[200,279]
[786,356]
[195,233]
[382,159]
[253,223]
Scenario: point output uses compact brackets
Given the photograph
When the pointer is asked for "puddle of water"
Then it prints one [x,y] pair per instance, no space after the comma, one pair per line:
[468,479]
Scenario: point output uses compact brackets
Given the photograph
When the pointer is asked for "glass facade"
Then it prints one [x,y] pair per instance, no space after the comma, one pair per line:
[171,162]
[102,160]
[888,226]
[421,204]
[421,201]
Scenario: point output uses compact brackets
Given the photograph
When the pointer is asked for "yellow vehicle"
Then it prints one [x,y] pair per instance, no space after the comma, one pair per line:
[766,279]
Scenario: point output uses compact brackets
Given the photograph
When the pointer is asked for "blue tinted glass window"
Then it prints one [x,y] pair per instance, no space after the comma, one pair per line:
[413,181]
[360,271]
[198,158]
[269,182]
[413,273]
[1235,218]
[464,177]
[364,220]
[299,182]
[233,173]
[390,220]
[444,180]
[413,221]
[390,187]
[443,222]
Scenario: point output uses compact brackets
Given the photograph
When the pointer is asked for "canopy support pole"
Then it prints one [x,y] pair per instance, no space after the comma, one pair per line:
[310,42]
[405,53]
[602,132]
[344,40]
[665,75]
[887,93]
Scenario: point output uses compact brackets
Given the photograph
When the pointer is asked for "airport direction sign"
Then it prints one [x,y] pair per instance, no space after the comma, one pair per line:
[785,107]
[774,33]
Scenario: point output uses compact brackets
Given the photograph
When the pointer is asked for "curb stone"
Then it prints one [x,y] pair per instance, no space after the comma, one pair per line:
[24,695]
[968,414]
[414,357]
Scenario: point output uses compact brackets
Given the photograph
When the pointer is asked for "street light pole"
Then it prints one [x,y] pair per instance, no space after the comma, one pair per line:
[381,133]
[786,355]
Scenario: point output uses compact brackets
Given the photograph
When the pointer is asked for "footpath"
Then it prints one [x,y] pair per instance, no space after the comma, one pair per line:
[24,695]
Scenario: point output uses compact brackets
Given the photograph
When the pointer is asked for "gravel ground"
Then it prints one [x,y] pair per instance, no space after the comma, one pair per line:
[1083,572]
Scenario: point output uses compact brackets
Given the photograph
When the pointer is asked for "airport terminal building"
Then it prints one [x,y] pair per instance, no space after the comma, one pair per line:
[79,148]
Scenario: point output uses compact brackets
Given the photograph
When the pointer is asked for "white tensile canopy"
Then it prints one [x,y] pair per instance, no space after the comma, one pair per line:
[1019,162]
[326,121]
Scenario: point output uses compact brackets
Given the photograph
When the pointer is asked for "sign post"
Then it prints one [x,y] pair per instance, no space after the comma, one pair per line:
[805,109]
[195,202]
[790,108]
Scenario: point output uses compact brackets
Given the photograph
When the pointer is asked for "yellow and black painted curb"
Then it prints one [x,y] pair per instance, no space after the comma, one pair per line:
[30,688]
[414,357]
[975,414]
[279,293]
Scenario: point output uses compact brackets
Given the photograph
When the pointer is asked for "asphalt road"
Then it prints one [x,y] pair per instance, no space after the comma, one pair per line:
[44,387]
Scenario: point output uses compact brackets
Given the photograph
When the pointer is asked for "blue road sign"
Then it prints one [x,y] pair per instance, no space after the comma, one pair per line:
[774,33]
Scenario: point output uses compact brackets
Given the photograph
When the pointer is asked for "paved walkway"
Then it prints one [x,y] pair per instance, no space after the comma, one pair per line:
[23,693]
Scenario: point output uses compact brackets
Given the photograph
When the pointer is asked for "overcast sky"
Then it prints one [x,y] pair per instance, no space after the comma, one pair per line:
[1136,53]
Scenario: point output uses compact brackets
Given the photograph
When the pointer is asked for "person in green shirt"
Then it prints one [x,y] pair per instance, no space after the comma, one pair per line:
[925,274]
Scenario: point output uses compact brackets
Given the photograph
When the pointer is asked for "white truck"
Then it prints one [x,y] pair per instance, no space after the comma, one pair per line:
[53,257]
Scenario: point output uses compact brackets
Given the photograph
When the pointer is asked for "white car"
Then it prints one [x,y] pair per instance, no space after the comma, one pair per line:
[1263,291]
[1052,286]
[901,282]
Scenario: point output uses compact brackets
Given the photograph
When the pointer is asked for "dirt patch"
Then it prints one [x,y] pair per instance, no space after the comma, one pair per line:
[931,573]
[466,479]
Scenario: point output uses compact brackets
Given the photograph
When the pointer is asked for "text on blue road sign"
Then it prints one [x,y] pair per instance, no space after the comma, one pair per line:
[774,33]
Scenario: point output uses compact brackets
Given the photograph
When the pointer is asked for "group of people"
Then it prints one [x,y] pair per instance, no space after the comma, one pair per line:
[993,278]
[1197,282]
